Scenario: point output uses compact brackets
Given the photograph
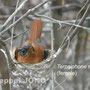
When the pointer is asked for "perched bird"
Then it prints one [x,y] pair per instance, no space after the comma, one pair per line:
[32,52]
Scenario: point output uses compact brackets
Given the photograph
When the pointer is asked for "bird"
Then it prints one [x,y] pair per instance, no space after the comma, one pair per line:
[32,52]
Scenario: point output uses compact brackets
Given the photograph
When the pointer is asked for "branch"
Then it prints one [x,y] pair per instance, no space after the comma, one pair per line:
[13,14]
[62,22]
[15,36]
[60,7]
[4,47]
[73,33]
[25,15]
[17,4]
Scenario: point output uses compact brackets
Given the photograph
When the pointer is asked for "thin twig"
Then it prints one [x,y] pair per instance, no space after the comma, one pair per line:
[9,60]
[13,27]
[47,20]
[13,14]
[25,15]
[15,36]
[25,29]
[67,35]
[7,16]
[62,22]
[77,17]
[24,33]
[32,17]
[60,7]
[73,33]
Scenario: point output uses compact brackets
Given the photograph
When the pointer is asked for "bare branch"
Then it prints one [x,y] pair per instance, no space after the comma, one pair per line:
[15,36]
[13,14]
[73,33]
[60,7]
[13,27]
[4,47]
[25,15]
[62,22]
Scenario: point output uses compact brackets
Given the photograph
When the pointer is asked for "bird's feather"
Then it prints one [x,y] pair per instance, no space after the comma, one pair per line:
[36,30]
[34,41]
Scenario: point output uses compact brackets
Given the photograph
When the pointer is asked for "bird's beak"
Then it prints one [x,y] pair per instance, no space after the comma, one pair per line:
[31,51]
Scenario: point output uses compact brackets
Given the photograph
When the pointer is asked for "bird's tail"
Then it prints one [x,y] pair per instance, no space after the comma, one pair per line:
[36,30]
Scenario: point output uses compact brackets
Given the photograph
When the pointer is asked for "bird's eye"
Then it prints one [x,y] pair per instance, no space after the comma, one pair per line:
[27,49]
[23,52]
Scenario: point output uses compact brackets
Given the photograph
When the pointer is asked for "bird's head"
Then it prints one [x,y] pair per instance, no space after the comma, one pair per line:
[27,50]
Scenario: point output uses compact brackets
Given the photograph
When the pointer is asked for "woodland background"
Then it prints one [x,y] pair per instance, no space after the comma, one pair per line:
[77,51]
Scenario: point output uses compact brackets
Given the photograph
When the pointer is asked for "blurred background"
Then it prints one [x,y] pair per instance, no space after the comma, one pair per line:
[78,52]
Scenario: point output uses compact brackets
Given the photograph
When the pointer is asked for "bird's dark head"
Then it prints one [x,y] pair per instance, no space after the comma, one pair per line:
[27,50]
